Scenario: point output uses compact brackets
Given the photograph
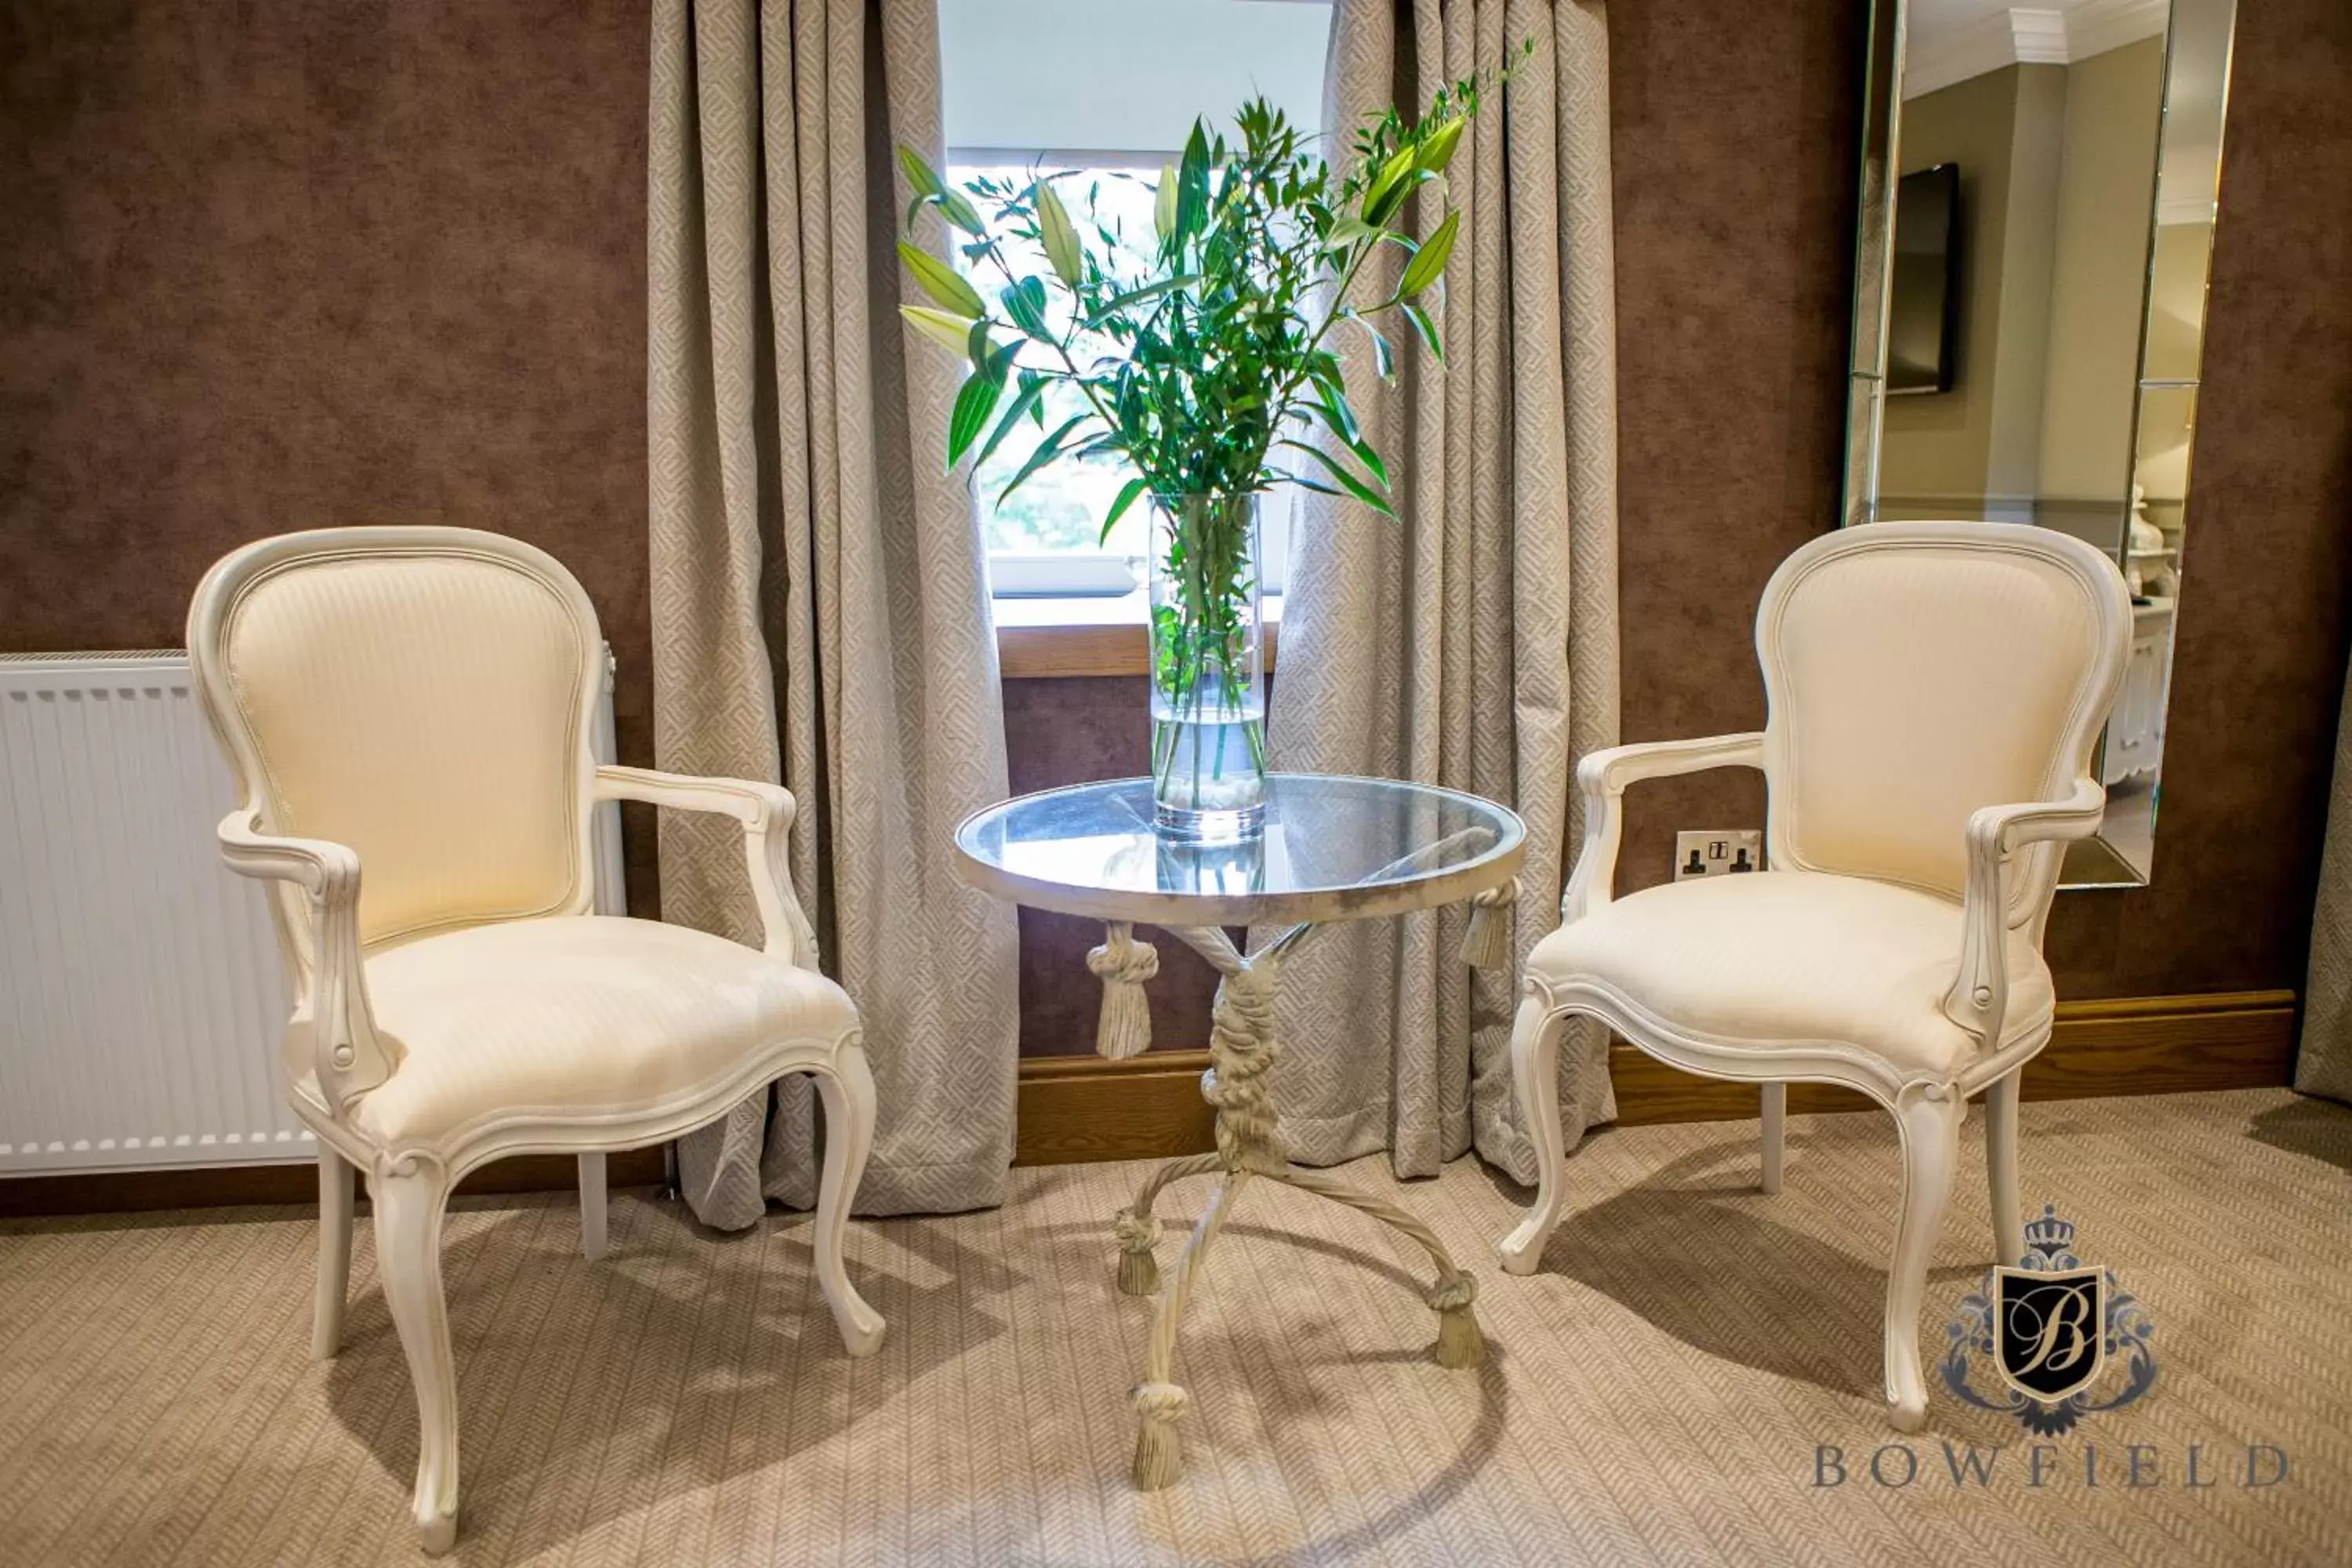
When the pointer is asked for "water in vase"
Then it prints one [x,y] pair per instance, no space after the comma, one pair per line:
[1209,766]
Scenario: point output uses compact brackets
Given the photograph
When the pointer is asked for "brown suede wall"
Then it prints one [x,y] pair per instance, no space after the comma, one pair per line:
[270,266]
[265,267]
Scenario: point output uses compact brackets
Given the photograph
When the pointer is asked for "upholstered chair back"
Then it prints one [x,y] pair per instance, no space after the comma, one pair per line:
[1918,671]
[422,695]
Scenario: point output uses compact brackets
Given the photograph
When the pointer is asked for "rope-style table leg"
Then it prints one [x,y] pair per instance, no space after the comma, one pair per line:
[1243,1047]
[1460,1345]
[1159,1401]
[1139,1231]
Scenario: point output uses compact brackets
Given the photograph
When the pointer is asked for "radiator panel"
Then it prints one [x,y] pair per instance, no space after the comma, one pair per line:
[141,998]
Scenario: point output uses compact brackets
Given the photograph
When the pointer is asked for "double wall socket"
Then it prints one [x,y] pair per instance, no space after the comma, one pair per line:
[1717,852]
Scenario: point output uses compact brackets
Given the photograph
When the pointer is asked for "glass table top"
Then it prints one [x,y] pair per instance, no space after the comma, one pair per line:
[1333,849]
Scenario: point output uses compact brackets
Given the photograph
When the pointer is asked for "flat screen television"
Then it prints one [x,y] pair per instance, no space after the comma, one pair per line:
[1923,298]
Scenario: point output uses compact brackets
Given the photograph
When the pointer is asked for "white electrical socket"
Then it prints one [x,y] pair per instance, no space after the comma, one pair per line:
[1718,852]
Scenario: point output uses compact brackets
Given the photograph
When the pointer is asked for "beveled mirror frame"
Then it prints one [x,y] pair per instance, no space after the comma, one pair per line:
[2195,82]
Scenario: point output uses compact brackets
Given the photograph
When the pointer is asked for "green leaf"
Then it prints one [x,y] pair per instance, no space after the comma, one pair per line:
[1193,184]
[1047,450]
[953,331]
[1117,302]
[1055,233]
[1384,357]
[1127,496]
[1426,328]
[1032,387]
[1338,413]
[919,175]
[973,405]
[1369,459]
[958,212]
[1389,179]
[1024,302]
[1438,150]
[1354,486]
[1392,200]
[941,283]
[1425,268]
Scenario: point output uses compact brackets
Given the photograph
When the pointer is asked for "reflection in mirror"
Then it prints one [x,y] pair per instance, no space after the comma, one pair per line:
[2036,202]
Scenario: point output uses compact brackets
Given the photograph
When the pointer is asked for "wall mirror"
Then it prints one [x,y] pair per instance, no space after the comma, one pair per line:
[2037,192]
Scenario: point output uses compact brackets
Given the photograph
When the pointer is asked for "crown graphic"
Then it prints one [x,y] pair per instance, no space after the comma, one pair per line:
[2050,1235]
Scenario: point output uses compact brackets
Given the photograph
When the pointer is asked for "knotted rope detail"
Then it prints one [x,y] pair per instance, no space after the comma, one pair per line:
[1161,1401]
[1242,1042]
[1450,1295]
[1123,964]
[1136,1233]
[1487,943]
[1158,1452]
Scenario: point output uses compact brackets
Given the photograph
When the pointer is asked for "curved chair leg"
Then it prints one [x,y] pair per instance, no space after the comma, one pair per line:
[2000,1166]
[1535,1074]
[334,1253]
[1776,1127]
[848,1089]
[592,1206]
[1927,1117]
[409,1195]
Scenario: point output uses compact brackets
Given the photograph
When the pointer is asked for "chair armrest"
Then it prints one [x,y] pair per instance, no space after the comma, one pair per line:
[1978,1000]
[347,1053]
[766,812]
[1602,777]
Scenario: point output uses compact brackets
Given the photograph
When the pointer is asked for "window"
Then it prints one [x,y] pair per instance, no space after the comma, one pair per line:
[1122,98]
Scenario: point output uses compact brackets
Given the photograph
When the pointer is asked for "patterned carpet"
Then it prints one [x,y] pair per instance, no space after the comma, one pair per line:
[1657,1394]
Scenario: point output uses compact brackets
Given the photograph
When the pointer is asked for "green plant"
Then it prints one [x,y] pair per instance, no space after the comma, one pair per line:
[1201,356]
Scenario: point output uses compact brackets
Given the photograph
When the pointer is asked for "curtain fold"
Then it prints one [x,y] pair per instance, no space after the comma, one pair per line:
[2323,1064]
[819,608]
[1472,643]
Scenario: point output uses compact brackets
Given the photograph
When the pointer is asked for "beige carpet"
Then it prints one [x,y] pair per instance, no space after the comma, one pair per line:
[1657,1394]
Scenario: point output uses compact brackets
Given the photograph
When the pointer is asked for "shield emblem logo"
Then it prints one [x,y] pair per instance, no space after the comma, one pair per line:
[2048,1329]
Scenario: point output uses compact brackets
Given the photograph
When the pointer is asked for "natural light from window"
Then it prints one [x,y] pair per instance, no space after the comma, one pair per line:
[1061,507]
[1127,77]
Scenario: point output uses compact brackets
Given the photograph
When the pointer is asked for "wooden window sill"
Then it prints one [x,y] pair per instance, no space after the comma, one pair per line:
[1041,640]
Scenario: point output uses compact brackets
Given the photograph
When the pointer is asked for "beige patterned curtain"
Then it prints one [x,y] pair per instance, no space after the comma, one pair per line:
[820,614]
[1473,644]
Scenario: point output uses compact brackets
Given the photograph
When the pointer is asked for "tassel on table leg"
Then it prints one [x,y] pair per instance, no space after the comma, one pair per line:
[1487,943]
[1159,1449]
[1460,1344]
[1138,1271]
[1123,964]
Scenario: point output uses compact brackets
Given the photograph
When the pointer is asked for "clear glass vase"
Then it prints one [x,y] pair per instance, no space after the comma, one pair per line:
[1208,669]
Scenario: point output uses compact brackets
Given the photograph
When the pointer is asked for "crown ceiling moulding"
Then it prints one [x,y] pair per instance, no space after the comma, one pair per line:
[1935,59]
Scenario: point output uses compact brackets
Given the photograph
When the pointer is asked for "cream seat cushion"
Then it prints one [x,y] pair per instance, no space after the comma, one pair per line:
[574,1016]
[1787,959]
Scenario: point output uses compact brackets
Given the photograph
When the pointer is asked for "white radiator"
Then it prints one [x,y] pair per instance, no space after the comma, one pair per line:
[140,992]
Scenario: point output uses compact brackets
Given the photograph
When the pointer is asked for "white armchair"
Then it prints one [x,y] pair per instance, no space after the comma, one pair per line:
[1920,677]
[418,702]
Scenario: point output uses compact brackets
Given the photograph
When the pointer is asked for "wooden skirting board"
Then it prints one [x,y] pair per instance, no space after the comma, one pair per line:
[228,1186]
[1084,1107]
[1077,1108]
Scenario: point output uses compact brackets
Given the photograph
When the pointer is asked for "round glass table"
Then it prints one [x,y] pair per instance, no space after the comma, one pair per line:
[1332,849]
